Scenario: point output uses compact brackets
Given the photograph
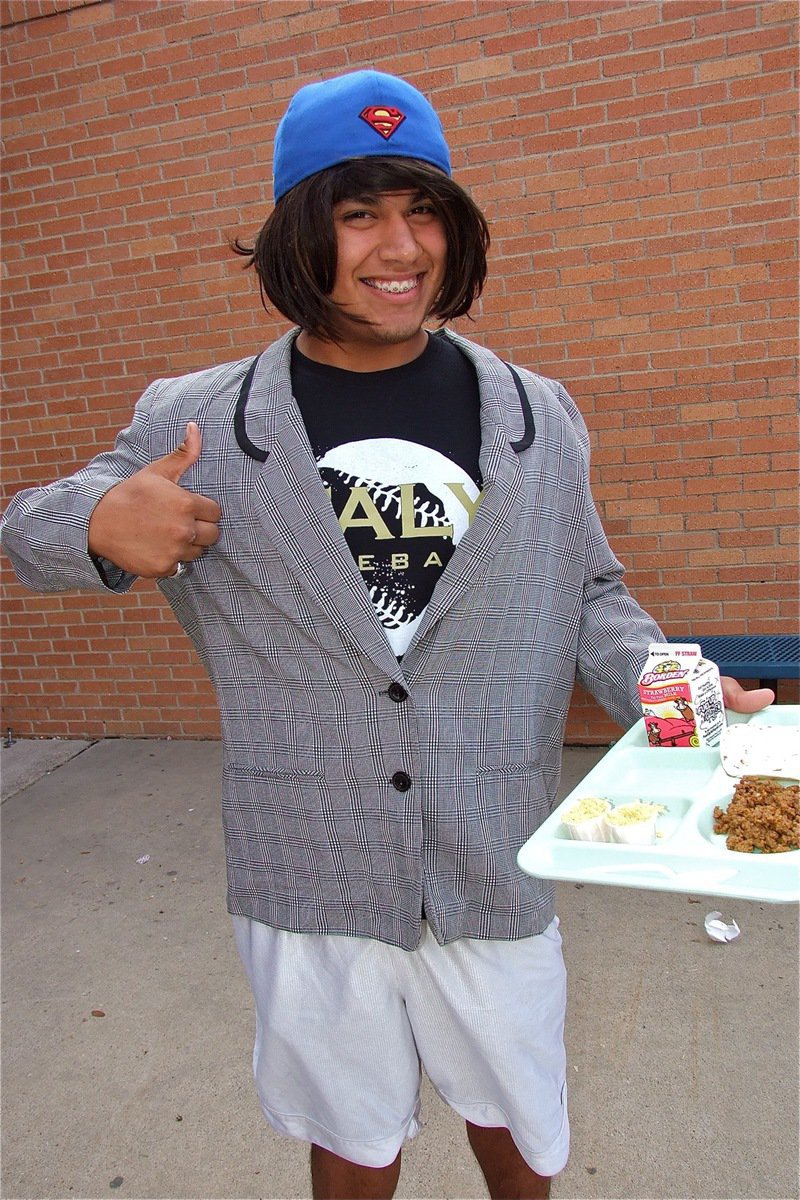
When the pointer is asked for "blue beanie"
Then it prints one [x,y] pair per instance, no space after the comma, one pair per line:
[363,114]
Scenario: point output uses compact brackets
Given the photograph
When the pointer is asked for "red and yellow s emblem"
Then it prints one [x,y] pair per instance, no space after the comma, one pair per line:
[384,119]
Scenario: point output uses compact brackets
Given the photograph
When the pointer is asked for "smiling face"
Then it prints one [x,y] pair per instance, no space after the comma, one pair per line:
[297,250]
[391,255]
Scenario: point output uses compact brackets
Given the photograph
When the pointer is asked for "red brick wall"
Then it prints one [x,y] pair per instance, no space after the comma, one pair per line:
[637,163]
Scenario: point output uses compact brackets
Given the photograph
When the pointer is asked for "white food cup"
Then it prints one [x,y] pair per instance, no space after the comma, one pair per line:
[632,824]
[584,820]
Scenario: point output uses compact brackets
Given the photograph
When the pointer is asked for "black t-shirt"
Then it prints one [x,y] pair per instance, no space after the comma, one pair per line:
[398,452]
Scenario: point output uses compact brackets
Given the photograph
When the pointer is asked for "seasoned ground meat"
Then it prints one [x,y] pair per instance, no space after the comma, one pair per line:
[762,815]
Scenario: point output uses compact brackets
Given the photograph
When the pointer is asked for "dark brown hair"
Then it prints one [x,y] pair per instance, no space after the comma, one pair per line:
[295,251]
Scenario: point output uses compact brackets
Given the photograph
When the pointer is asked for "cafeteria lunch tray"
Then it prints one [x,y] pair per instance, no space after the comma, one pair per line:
[687,856]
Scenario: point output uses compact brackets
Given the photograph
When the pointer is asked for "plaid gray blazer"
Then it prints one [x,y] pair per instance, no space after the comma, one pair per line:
[354,787]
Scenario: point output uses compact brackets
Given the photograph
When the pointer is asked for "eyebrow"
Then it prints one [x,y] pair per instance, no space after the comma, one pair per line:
[373,197]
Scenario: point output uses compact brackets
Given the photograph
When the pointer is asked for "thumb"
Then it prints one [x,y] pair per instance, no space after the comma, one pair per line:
[172,466]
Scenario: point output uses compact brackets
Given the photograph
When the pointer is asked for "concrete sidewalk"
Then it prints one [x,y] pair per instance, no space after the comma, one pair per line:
[683,1053]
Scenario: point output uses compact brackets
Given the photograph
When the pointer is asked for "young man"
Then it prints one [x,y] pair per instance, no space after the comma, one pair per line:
[382,543]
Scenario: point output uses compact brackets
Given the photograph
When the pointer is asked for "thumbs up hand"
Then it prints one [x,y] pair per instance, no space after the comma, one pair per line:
[147,524]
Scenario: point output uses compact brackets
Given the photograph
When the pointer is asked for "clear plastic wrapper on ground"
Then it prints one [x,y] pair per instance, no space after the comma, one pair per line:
[719,930]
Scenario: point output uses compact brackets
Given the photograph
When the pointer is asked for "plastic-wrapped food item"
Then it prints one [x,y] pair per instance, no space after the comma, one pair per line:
[747,749]
[583,820]
[633,824]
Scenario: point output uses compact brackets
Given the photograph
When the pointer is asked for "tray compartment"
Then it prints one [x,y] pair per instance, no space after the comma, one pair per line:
[676,807]
[650,774]
[627,775]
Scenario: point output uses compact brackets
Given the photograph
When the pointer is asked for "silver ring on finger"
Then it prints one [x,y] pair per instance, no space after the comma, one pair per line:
[180,569]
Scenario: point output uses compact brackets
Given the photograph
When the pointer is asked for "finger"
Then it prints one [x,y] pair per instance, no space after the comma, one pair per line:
[755,700]
[173,466]
[205,509]
[739,700]
[206,533]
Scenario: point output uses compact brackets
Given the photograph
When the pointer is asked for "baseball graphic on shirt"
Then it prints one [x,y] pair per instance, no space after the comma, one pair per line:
[403,508]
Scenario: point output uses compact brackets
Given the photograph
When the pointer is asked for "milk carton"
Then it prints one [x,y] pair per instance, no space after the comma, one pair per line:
[681,697]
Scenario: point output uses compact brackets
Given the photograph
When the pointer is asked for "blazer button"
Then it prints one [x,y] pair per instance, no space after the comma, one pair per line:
[397,692]
[401,780]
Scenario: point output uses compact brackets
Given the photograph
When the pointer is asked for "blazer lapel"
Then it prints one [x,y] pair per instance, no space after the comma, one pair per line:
[502,485]
[297,514]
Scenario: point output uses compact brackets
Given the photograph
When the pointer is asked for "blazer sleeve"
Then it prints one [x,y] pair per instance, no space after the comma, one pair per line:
[45,530]
[615,632]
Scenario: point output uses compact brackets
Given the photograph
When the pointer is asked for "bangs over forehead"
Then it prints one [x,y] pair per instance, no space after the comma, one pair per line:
[295,252]
[363,178]
[372,197]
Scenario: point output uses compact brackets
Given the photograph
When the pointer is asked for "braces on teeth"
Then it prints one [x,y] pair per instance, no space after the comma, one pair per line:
[395,286]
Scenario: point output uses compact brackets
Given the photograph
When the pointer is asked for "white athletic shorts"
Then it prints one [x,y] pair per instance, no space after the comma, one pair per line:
[342,1024]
